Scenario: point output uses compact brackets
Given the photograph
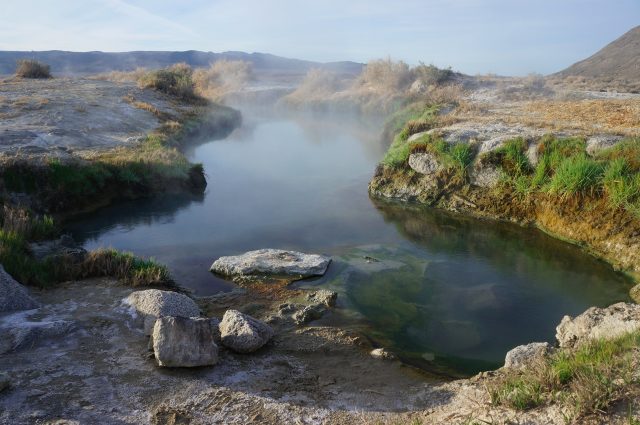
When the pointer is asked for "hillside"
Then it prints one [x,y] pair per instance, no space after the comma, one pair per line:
[619,60]
[63,62]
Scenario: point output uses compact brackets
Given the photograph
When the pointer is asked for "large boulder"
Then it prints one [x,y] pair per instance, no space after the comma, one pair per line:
[272,262]
[597,323]
[424,163]
[185,342]
[13,296]
[153,303]
[243,333]
[525,355]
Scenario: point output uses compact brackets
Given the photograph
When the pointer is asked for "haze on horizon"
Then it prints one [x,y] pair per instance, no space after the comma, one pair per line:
[508,37]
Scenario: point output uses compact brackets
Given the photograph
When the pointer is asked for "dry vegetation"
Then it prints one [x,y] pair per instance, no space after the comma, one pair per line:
[32,69]
[382,87]
[222,78]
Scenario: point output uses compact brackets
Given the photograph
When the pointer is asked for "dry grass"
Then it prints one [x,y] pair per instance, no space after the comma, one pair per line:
[592,116]
[33,69]
[221,78]
[121,76]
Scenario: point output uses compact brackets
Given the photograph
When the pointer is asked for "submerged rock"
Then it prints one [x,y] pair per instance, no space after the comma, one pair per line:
[309,313]
[595,323]
[524,355]
[184,342]
[65,246]
[153,303]
[382,354]
[13,296]
[243,333]
[272,262]
[323,296]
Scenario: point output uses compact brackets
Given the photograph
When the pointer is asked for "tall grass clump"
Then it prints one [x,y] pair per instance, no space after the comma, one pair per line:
[175,80]
[578,174]
[584,381]
[132,270]
[221,78]
[29,68]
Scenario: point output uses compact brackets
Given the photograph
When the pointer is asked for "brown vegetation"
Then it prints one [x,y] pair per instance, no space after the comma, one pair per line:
[221,78]
[32,69]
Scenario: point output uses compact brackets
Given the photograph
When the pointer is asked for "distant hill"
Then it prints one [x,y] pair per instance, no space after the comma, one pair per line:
[619,60]
[63,62]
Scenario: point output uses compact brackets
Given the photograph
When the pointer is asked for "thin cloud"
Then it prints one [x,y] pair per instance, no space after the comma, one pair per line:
[140,13]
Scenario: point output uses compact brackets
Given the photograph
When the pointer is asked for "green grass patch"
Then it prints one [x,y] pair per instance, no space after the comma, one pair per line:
[584,381]
[576,174]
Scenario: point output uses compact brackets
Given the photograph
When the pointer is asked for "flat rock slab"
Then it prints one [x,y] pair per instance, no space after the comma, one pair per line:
[185,342]
[272,262]
[595,323]
[154,303]
[13,296]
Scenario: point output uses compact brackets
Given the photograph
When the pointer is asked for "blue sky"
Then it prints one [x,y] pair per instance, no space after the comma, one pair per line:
[513,37]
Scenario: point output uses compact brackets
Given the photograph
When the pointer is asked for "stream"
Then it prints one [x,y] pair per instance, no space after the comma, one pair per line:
[447,293]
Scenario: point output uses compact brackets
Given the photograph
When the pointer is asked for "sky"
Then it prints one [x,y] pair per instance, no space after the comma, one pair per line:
[506,37]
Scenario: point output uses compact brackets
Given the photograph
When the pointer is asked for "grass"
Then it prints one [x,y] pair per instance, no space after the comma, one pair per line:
[584,381]
[176,80]
[21,226]
[576,174]
[29,68]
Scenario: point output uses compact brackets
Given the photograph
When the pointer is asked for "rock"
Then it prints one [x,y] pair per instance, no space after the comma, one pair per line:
[309,313]
[13,296]
[18,333]
[184,342]
[63,247]
[424,163]
[610,322]
[485,175]
[524,355]
[215,328]
[417,136]
[382,354]
[598,143]
[272,262]
[634,293]
[243,333]
[323,296]
[533,155]
[153,303]
[493,144]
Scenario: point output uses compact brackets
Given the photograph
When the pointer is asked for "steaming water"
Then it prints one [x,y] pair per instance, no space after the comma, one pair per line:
[447,293]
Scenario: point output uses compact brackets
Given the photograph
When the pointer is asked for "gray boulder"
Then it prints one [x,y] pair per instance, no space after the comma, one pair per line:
[596,323]
[242,333]
[382,354]
[13,296]
[184,342]
[424,163]
[153,303]
[525,355]
[598,143]
[272,262]
[484,175]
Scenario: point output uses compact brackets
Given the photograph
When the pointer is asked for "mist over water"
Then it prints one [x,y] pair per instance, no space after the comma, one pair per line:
[448,293]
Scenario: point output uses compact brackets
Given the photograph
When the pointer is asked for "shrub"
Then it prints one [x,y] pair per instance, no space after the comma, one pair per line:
[431,74]
[175,80]
[385,75]
[222,77]
[28,68]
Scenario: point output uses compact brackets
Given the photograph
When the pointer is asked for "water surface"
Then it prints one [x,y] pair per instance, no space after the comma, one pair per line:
[448,293]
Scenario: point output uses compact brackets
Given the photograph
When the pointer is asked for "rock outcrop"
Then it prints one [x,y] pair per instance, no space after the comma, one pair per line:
[13,296]
[608,323]
[242,333]
[153,303]
[525,355]
[424,163]
[185,342]
[272,262]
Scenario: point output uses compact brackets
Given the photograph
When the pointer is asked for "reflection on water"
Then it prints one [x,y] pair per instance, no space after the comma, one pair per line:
[445,292]
[462,292]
